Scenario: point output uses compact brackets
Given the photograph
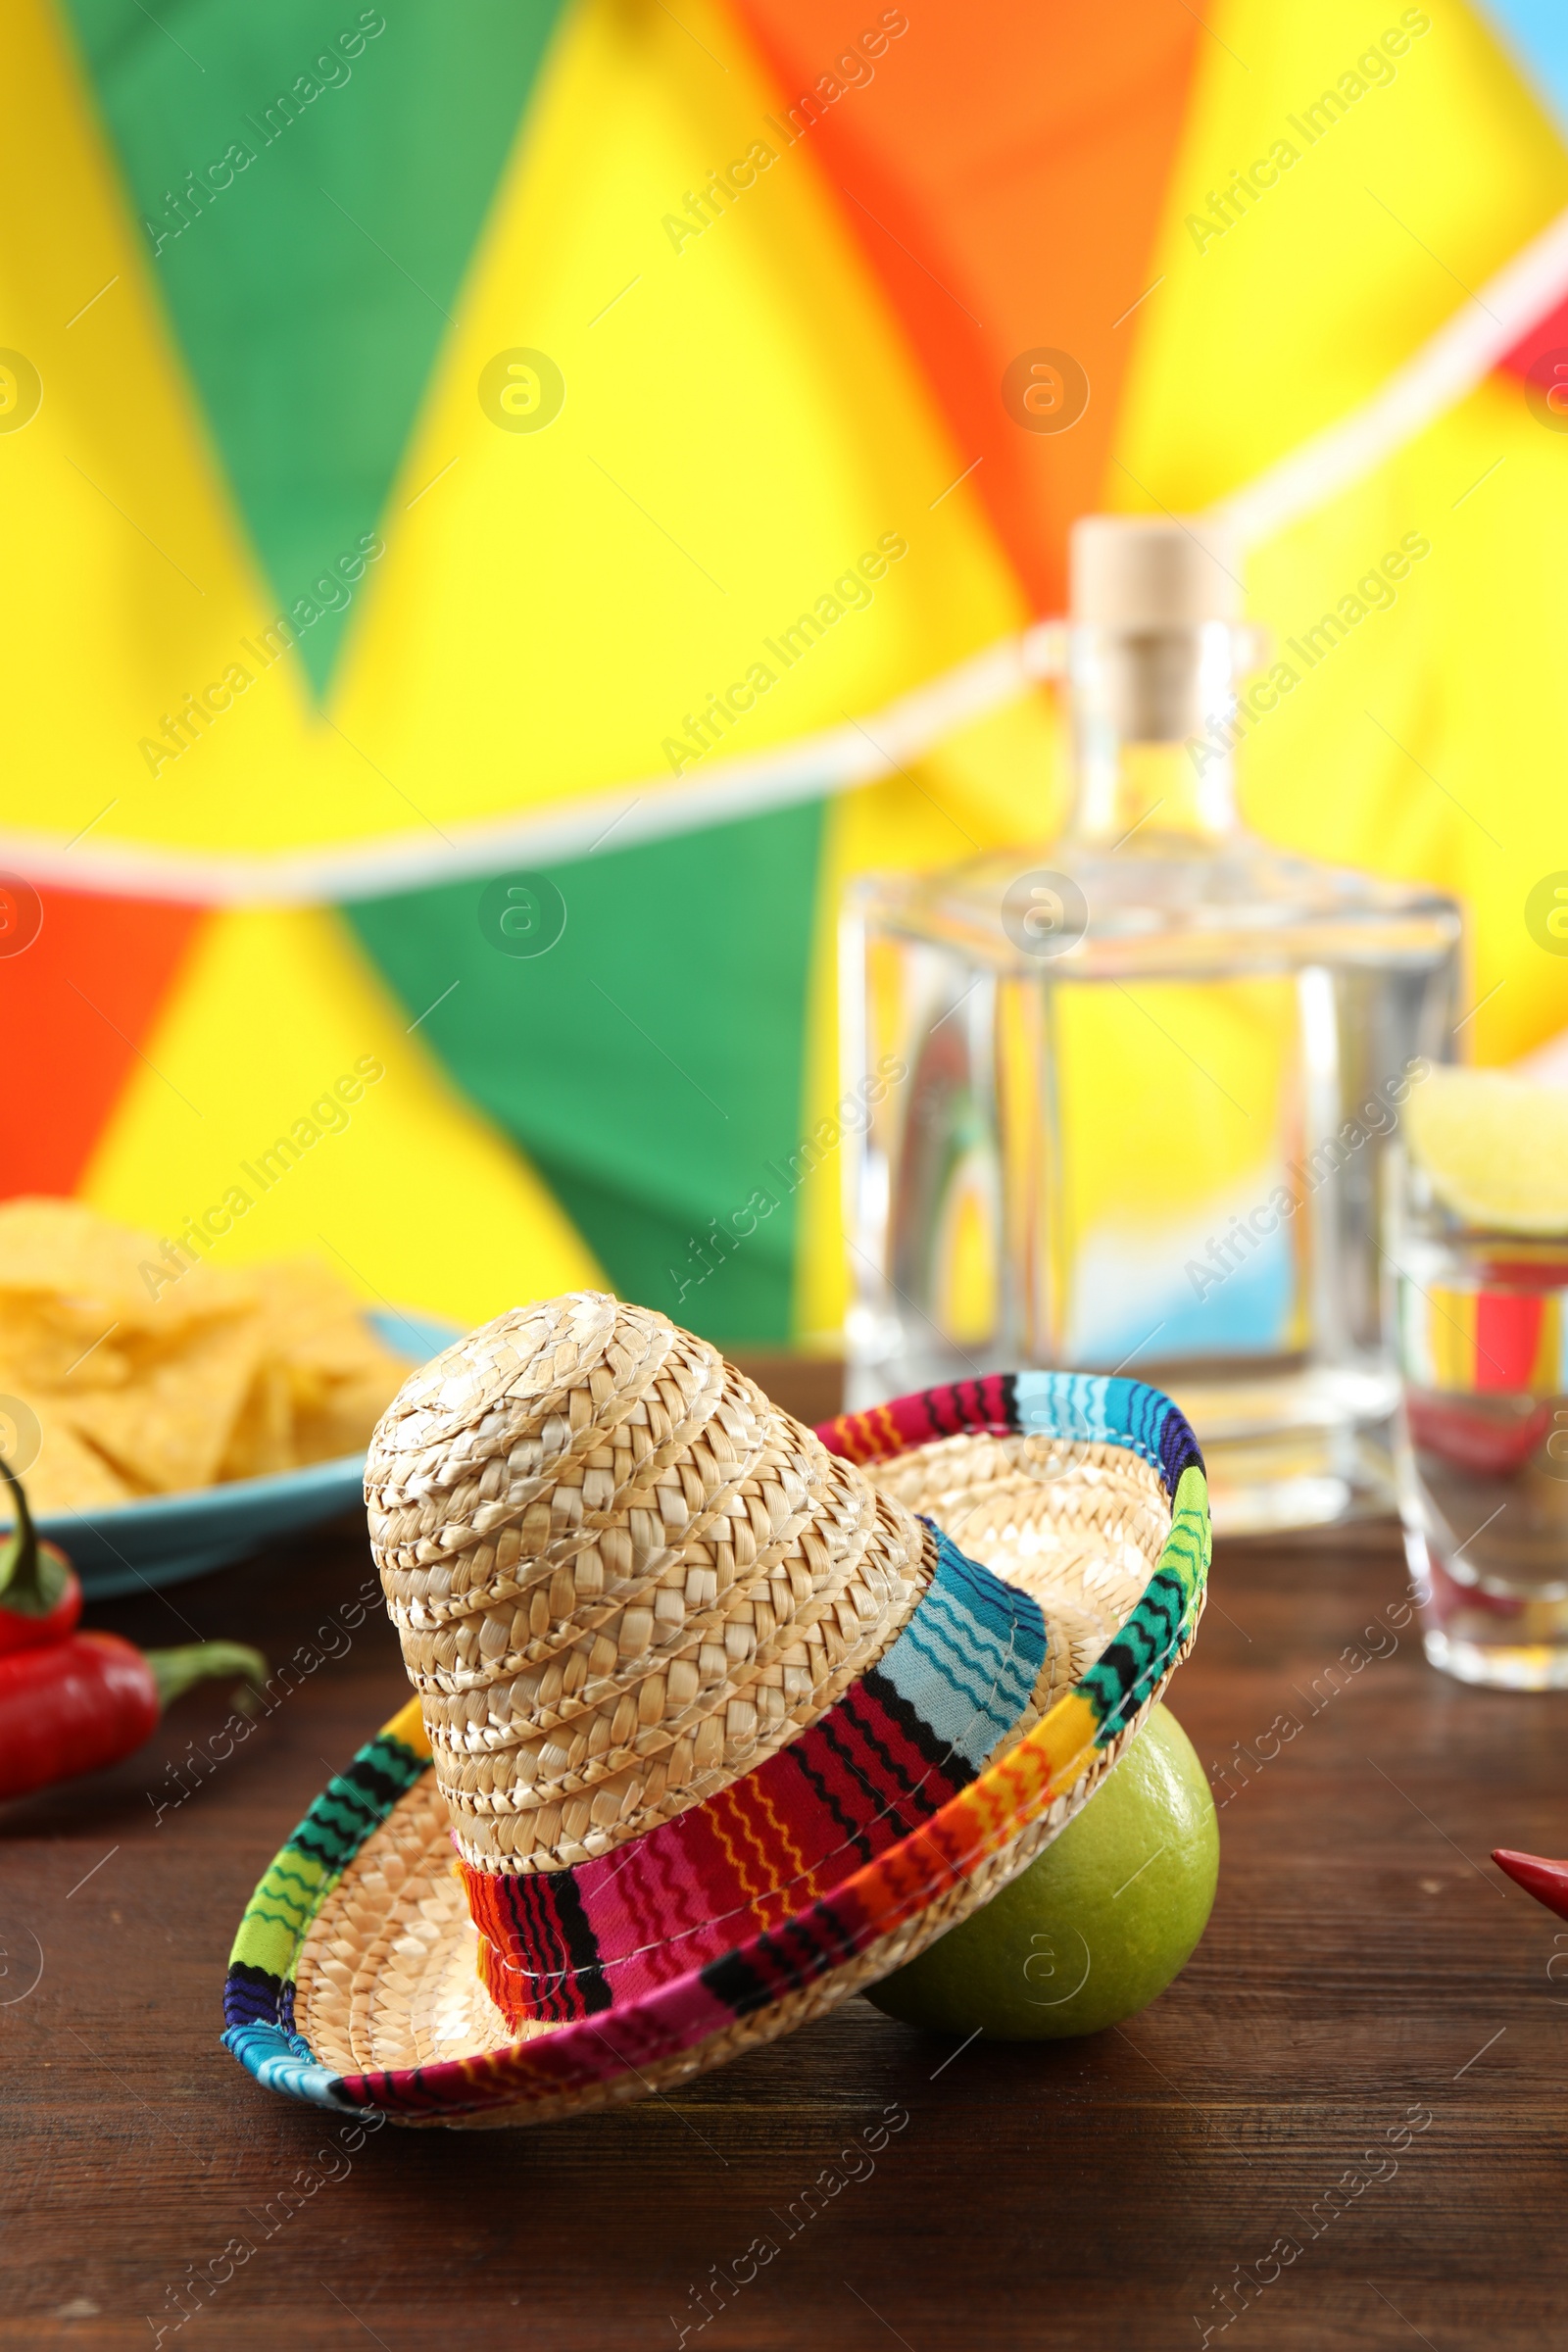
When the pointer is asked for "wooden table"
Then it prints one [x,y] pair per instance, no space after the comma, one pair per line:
[1366,2060]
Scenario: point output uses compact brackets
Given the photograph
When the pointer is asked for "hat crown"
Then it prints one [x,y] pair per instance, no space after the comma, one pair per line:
[620,1575]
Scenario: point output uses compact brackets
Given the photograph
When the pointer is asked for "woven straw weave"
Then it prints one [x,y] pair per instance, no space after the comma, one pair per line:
[1074,1523]
[619,1575]
[498,1431]
[387,1976]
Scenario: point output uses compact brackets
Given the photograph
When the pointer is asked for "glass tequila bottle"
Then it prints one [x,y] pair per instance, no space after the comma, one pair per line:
[1142,1077]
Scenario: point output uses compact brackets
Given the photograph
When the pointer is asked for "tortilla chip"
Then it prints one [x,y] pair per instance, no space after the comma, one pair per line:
[341,1375]
[159,1372]
[40,1349]
[312,1314]
[66,1475]
[261,1439]
[63,1249]
[170,1428]
[88,1274]
[342,1422]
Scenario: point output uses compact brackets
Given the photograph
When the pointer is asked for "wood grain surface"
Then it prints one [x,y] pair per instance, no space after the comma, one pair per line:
[1366,1968]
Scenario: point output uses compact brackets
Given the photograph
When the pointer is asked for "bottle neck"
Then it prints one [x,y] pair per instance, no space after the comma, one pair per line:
[1152,730]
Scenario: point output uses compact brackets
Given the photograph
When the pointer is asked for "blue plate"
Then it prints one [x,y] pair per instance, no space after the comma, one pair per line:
[167,1537]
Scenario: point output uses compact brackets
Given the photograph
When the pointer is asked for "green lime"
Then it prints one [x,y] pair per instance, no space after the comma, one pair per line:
[1097,1926]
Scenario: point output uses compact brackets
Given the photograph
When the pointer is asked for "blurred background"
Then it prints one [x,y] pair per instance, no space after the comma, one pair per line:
[421,432]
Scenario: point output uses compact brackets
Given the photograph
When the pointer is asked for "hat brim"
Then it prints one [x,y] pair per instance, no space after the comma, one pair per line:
[361,1913]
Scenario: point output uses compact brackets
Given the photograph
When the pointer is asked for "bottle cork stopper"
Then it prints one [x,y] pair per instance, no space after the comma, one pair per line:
[1153,572]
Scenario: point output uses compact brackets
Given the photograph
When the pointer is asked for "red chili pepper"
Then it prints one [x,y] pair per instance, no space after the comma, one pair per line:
[92,1698]
[41,1597]
[1546,1880]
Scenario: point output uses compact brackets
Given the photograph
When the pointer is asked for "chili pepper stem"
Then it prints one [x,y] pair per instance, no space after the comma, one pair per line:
[32,1577]
[176,1671]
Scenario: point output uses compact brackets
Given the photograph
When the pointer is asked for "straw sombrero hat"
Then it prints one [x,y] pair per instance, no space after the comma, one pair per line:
[710,1730]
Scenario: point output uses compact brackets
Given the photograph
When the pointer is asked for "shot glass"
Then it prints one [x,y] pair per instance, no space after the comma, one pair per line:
[1482,1453]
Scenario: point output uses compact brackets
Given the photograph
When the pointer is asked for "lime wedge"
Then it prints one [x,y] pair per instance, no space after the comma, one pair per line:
[1496,1148]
